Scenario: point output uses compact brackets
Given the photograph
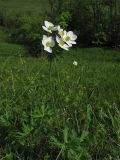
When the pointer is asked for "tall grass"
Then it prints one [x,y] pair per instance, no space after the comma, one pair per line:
[76,117]
[22,6]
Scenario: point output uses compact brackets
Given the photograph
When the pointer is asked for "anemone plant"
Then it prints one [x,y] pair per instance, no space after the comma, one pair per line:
[64,39]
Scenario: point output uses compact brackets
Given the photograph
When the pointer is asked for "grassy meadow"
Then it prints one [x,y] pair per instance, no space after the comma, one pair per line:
[36,6]
[8,49]
[74,116]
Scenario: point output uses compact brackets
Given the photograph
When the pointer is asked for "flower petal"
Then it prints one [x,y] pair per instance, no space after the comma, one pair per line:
[59,28]
[52,43]
[72,35]
[65,47]
[46,29]
[44,41]
[47,24]
[48,49]
[72,42]
[58,39]
[50,39]
[44,37]
[69,44]
[55,28]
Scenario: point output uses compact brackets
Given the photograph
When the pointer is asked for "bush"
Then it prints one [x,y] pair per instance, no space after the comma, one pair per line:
[64,19]
[94,21]
[24,29]
[100,38]
[28,32]
[114,35]
[8,19]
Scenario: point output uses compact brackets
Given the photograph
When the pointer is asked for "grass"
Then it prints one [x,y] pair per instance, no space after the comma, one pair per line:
[36,6]
[76,116]
[22,20]
[9,49]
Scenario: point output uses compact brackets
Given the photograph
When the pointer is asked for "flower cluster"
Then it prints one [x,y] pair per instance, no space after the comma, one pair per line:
[64,39]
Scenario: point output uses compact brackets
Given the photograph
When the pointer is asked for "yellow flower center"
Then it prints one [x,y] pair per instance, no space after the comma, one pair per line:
[62,43]
[48,44]
[62,33]
[67,38]
[50,28]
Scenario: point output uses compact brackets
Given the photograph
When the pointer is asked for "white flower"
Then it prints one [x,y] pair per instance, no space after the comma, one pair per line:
[48,43]
[70,38]
[75,63]
[61,43]
[65,39]
[61,32]
[49,27]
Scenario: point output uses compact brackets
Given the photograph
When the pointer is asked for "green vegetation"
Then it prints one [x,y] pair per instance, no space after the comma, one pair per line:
[9,49]
[22,6]
[74,115]
[96,22]
[23,20]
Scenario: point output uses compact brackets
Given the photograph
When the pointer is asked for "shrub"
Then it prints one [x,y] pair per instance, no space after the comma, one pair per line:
[100,38]
[8,19]
[64,19]
[114,34]
[28,32]
[24,29]
[92,20]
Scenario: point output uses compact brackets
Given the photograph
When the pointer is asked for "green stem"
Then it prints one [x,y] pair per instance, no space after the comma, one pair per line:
[50,67]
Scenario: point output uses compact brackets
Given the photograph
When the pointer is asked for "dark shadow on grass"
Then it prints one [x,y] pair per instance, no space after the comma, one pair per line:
[110,49]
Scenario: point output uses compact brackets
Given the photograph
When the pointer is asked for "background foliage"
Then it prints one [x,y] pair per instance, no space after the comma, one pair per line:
[97,23]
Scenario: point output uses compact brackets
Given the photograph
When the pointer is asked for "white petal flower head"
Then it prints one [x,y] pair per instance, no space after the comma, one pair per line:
[70,38]
[75,63]
[61,32]
[48,43]
[49,27]
[62,44]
